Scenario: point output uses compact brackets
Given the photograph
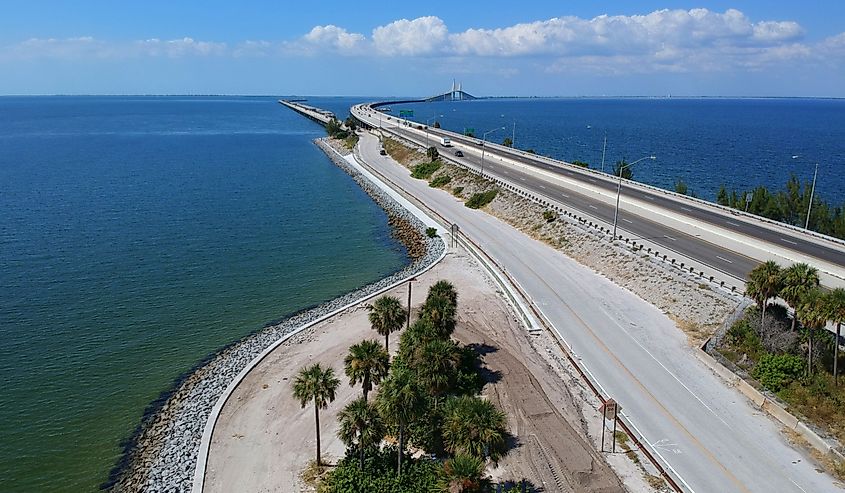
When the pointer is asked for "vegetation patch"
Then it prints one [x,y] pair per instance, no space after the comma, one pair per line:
[351,141]
[440,181]
[480,199]
[431,232]
[401,153]
[427,400]
[457,191]
[792,357]
[424,171]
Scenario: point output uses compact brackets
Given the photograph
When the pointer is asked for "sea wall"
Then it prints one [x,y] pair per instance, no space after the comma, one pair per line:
[162,456]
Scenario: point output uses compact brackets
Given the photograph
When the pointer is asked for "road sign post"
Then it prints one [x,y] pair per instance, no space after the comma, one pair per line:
[609,410]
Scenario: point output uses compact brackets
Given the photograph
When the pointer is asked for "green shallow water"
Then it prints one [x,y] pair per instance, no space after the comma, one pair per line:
[139,235]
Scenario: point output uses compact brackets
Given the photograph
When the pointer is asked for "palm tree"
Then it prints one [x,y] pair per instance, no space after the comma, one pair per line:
[440,310]
[444,289]
[437,362]
[416,336]
[763,283]
[361,427]
[399,402]
[835,302]
[796,281]
[317,384]
[813,314]
[473,426]
[368,363]
[463,474]
[387,315]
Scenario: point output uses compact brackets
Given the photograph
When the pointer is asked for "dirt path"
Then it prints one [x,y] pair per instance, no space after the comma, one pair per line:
[263,438]
[552,451]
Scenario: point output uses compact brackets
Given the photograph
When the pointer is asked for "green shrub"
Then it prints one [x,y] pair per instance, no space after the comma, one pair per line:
[581,163]
[379,474]
[480,199]
[351,141]
[777,371]
[549,216]
[431,232]
[424,171]
[440,181]
[457,191]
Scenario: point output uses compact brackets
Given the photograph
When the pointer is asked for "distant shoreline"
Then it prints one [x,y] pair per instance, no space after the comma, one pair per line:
[368,98]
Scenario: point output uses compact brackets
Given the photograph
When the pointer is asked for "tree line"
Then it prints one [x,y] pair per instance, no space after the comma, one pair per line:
[788,205]
[427,397]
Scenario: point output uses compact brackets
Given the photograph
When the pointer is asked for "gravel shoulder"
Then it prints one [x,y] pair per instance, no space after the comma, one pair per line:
[263,438]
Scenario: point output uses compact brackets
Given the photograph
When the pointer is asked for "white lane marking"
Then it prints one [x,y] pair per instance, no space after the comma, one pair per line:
[797,485]
[567,196]
[592,180]
[669,237]
[789,241]
[628,221]
[543,187]
[649,198]
[686,209]
[667,370]
[593,207]
[732,223]
[723,258]
[521,178]
[666,445]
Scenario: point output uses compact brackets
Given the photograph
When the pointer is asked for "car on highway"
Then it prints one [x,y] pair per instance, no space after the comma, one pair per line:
[479,142]
[382,152]
[459,154]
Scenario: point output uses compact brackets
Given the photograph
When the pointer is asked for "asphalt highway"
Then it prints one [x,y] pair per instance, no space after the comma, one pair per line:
[715,256]
[704,431]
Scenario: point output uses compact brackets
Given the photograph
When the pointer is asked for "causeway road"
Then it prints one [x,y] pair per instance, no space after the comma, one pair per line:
[725,257]
[704,431]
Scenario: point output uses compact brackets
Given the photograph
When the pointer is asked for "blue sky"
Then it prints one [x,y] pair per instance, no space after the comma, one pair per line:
[563,48]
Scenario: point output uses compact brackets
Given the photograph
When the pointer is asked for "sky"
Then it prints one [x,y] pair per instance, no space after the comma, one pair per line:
[781,48]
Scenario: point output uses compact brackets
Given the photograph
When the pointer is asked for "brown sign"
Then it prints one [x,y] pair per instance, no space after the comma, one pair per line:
[609,409]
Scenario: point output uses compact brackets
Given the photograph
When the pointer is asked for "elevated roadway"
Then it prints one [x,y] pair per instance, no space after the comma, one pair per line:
[727,241]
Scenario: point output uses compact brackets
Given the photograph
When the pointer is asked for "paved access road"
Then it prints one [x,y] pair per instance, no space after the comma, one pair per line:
[715,256]
[705,431]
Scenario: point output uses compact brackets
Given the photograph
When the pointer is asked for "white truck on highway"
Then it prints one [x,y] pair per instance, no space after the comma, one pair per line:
[445,142]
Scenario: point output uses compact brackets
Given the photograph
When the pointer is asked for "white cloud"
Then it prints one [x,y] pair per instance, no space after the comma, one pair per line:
[421,36]
[664,40]
[334,38]
[176,48]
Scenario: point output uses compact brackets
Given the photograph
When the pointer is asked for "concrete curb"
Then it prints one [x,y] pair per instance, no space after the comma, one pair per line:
[769,406]
[208,431]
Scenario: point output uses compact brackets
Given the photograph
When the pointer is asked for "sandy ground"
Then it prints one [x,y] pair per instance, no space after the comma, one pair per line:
[263,438]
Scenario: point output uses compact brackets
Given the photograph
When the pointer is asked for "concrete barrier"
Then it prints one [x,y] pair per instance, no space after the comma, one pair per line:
[771,407]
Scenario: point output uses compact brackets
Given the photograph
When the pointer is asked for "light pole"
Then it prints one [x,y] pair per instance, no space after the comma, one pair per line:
[812,192]
[484,145]
[427,143]
[622,166]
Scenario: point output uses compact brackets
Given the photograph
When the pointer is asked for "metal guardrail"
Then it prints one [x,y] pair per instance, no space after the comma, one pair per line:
[634,184]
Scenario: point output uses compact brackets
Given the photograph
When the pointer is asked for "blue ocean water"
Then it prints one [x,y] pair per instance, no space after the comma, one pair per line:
[139,235]
[740,143]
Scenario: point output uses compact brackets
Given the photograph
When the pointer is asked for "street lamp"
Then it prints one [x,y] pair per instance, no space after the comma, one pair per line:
[622,166]
[484,146]
[427,143]
[812,193]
